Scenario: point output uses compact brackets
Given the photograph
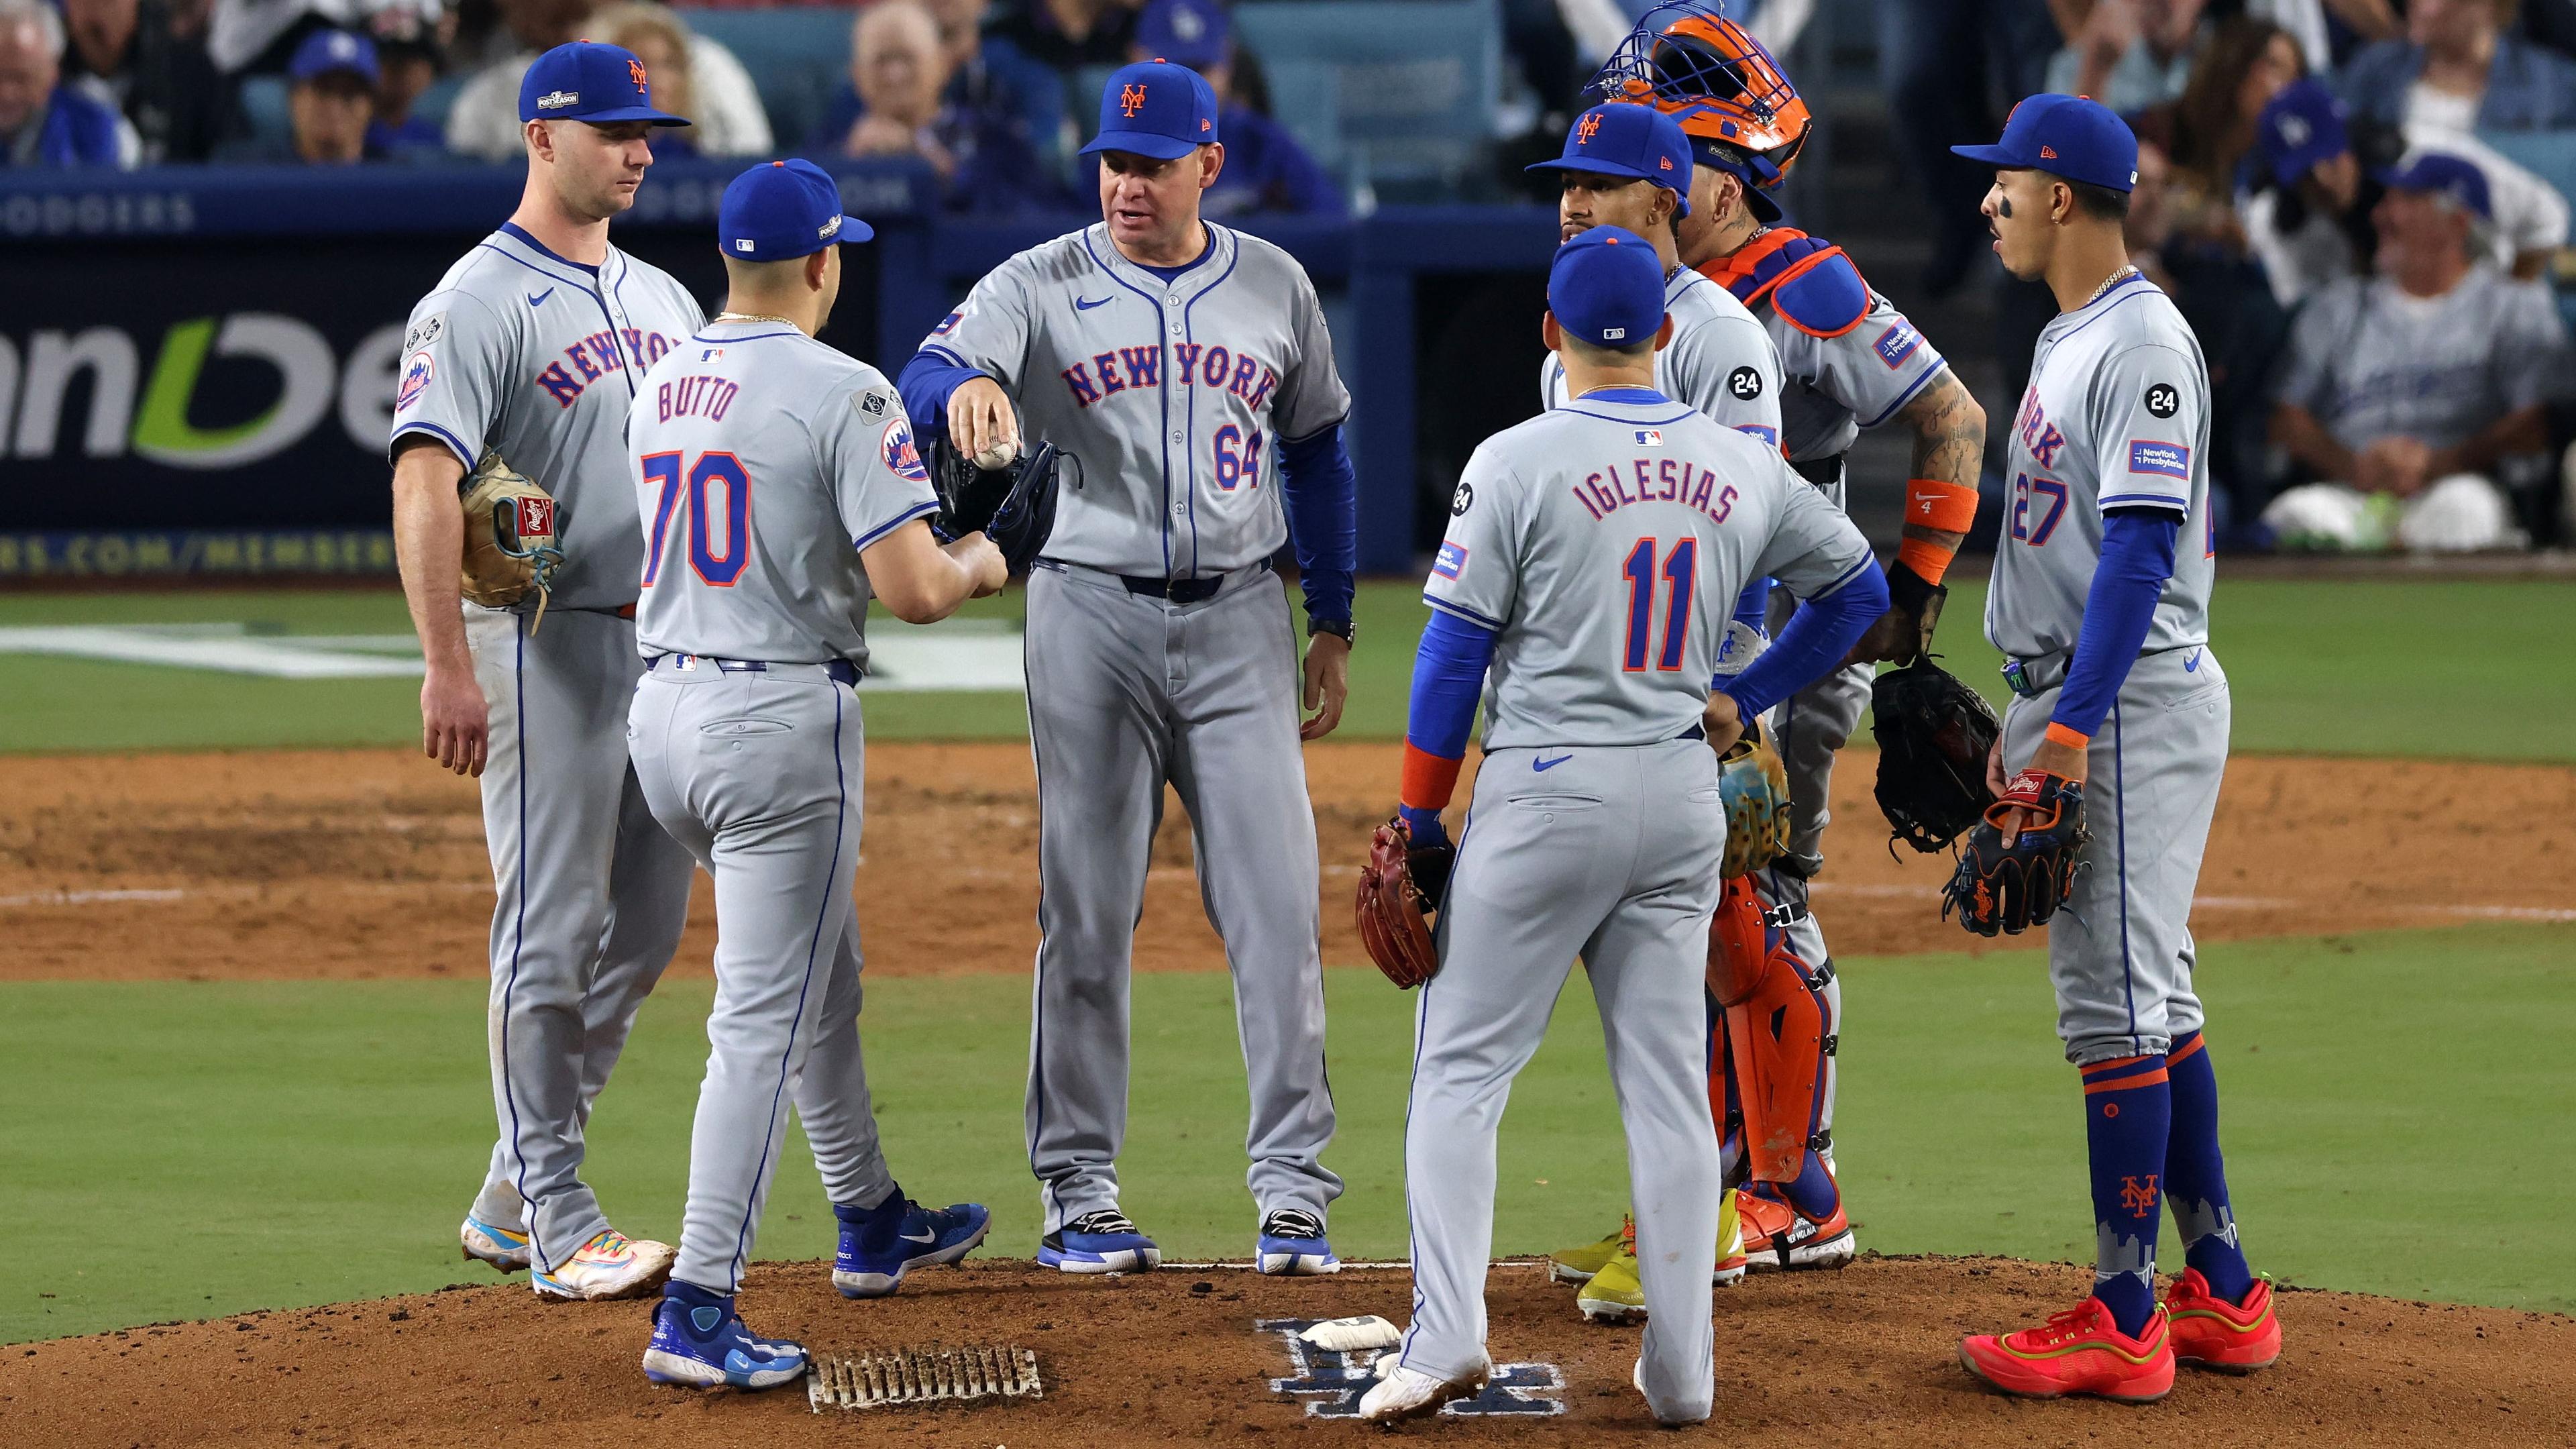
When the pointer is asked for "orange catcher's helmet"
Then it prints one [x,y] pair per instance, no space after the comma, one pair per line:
[1708,72]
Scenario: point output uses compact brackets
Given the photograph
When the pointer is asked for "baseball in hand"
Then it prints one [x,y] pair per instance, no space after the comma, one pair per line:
[998,454]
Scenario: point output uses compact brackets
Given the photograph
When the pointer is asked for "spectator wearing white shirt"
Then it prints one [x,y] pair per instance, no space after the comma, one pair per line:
[484,121]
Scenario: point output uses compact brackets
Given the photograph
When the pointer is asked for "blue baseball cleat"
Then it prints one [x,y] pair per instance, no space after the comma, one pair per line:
[881,1244]
[1101,1242]
[1293,1245]
[699,1342]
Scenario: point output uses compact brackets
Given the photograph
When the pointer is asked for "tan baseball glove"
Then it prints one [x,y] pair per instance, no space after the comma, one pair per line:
[1755,787]
[510,548]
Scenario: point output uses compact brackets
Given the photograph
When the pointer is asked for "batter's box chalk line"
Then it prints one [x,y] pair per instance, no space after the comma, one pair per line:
[929,1375]
[1332,1383]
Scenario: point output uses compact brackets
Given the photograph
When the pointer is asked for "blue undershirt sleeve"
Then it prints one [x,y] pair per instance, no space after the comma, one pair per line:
[2137,558]
[1753,607]
[926,383]
[1448,679]
[1818,636]
[1321,494]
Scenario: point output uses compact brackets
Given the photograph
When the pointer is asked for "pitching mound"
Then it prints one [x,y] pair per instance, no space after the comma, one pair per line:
[367,863]
[1865,1356]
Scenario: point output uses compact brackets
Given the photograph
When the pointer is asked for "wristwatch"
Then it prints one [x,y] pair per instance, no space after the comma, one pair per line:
[1339,628]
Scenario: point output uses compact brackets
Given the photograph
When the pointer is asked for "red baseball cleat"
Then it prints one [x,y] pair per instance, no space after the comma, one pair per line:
[2210,1332]
[2080,1351]
[1776,1237]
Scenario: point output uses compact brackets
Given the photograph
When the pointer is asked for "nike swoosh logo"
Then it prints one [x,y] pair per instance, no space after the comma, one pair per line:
[538,299]
[1549,764]
[2192,665]
[923,1238]
[1085,304]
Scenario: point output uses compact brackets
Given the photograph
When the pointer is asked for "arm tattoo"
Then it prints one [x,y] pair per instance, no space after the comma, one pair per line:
[1949,432]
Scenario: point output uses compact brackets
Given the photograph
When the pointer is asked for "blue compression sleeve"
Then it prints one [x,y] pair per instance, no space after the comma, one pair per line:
[1822,631]
[1753,606]
[2137,558]
[1448,678]
[1321,494]
[926,382]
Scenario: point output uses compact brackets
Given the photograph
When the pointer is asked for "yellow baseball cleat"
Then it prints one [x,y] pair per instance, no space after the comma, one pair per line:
[1615,1294]
[1731,1259]
[1577,1265]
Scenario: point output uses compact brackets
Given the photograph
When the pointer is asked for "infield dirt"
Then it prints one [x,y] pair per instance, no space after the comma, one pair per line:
[370,863]
[1865,1356]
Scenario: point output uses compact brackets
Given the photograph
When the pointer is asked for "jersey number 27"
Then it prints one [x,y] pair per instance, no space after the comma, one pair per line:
[719,569]
[1680,574]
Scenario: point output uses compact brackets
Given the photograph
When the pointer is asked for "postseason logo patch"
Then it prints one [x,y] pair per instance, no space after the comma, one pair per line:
[947,324]
[1453,557]
[1650,437]
[415,380]
[2165,460]
[900,454]
[1897,343]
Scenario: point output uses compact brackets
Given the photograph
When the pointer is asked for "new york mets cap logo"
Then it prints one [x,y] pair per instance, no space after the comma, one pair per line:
[1584,132]
[1131,98]
[635,73]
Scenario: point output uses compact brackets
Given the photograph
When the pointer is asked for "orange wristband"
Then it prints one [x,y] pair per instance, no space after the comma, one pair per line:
[2059,734]
[1949,507]
[1928,560]
[1429,780]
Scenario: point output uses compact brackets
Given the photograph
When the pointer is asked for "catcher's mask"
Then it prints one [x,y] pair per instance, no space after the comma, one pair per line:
[1709,73]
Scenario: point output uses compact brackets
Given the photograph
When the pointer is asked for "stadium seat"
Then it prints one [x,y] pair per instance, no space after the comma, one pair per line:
[797,55]
[1416,80]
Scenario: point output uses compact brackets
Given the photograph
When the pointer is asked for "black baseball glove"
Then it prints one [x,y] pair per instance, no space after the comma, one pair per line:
[2011,883]
[1014,506]
[1934,734]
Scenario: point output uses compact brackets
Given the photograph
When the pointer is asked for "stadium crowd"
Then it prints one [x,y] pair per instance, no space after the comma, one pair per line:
[2330,187]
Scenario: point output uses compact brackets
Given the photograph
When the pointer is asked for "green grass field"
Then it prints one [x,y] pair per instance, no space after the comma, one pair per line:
[2400,1117]
[2315,664]
[170,1134]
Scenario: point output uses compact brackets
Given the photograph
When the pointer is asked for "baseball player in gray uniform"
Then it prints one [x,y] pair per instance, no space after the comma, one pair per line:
[746,736]
[1187,370]
[531,347]
[1591,561]
[1630,166]
[2100,600]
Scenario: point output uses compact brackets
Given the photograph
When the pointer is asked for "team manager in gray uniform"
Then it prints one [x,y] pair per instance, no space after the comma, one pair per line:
[532,345]
[1188,368]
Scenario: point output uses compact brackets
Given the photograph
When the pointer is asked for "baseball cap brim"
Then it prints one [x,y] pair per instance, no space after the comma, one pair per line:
[1992,156]
[1143,143]
[615,114]
[1586,163]
[853,230]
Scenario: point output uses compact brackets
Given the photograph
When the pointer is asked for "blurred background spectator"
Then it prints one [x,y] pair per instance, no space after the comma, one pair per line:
[903,100]
[410,52]
[1068,36]
[2458,70]
[260,36]
[332,98]
[2127,54]
[1952,69]
[2411,395]
[720,97]
[44,122]
[129,54]
[1265,168]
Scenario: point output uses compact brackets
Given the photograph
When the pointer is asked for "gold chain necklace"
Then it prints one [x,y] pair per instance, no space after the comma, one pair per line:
[2108,283]
[756,317]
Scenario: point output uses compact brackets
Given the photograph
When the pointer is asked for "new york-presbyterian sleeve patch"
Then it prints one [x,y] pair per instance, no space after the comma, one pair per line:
[1452,558]
[2165,460]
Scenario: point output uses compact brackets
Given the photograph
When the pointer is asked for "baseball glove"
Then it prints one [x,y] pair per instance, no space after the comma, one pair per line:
[510,549]
[1399,887]
[2011,884]
[1934,734]
[1755,787]
[1014,506]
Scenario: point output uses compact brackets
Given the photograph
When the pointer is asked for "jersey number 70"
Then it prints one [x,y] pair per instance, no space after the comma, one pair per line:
[1680,573]
[718,569]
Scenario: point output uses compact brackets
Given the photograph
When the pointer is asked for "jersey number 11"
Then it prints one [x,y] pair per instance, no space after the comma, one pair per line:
[1680,573]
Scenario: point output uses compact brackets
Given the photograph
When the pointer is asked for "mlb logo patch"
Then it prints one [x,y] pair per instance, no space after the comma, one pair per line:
[948,324]
[2165,460]
[415,380]
[1650,437]
[900,454]
[1897,344]
[1452,558]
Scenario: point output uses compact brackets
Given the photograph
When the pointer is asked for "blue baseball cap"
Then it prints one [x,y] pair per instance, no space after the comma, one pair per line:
[1155,108]
[784,210]
[587,81]
[1711,152]
[1187,32]
[2076,137]
[325,51]
[2300,127]
[1626,139]
[1607,287]
[2441,174]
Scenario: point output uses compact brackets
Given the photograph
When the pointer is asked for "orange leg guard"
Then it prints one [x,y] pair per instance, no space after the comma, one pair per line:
[1774,1030]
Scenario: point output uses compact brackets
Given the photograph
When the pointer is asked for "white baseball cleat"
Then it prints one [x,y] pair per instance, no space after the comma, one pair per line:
[505,1249]
[1404,1393]
[610,1265]
[1637,1376]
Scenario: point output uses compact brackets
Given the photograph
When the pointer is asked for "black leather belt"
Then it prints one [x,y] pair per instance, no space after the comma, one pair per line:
[1179,591]
[1823,472]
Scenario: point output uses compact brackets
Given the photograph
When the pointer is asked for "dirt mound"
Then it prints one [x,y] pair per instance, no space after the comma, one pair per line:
[354,864]
[1865,1356]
